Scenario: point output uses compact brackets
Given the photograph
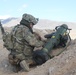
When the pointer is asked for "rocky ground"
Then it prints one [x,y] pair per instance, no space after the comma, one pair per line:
[64,64]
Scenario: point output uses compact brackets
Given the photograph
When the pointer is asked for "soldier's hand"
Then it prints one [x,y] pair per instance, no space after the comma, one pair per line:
[37,36]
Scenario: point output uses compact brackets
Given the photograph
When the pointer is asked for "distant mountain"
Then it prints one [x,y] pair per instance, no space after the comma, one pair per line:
[4,21]
[12,22]
[1,20]
[42,24]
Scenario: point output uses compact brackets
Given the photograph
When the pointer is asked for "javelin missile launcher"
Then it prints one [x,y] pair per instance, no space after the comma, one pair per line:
[58,38]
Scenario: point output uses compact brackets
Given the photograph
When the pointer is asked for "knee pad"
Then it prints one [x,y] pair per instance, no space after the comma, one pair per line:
[24,65]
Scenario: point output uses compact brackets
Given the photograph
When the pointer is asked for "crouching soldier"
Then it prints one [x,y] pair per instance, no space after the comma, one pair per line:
[21,42]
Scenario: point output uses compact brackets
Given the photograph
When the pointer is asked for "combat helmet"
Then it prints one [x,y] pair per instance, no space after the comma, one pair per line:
[30,18]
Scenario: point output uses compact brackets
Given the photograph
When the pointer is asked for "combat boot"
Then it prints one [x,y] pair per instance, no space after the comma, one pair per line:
[24,65]
[16,68]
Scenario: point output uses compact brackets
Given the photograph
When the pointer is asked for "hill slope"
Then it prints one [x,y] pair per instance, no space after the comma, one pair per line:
[64,64]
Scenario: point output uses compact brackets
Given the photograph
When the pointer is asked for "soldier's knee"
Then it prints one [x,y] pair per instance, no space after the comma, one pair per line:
[13,60]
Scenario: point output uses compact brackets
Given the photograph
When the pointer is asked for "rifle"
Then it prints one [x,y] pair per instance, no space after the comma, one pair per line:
[2,29]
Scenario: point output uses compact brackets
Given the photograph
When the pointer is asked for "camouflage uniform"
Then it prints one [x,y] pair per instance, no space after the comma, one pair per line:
[24,41]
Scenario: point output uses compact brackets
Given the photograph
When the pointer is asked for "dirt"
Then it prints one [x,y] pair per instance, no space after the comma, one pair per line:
[63,64]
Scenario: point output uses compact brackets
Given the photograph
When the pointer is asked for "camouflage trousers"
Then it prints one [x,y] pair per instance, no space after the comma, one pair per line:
[17,58]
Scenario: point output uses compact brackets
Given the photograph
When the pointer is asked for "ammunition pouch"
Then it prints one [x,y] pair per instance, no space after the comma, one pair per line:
[40,57]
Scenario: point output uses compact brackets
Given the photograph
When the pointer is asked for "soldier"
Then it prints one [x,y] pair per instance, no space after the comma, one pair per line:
[23,42]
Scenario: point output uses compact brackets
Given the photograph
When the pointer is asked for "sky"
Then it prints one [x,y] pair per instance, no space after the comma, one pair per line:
[55,10]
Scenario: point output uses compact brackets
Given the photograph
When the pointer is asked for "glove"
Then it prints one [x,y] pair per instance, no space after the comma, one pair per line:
[37,36]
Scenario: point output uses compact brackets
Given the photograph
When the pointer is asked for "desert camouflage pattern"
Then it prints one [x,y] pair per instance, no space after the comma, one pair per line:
[30,18]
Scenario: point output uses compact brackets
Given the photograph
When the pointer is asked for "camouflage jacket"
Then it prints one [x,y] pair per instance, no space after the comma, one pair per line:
[24,40]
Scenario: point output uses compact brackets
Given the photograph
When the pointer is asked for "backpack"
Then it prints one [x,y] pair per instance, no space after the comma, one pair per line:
[9,39]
